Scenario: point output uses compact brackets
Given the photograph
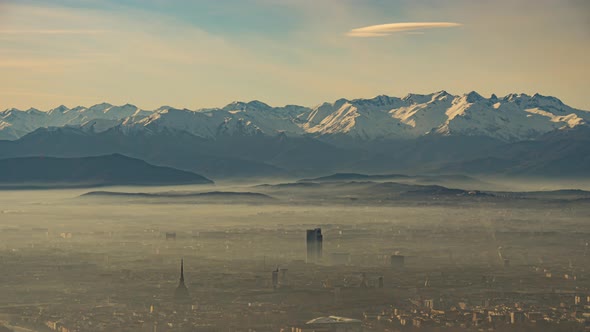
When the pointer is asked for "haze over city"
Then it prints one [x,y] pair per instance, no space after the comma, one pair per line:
[294,165]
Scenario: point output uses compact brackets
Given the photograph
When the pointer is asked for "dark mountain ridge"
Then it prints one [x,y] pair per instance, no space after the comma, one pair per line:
[114,169]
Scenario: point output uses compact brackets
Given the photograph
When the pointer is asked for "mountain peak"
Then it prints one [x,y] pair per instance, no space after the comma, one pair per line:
[61,108]
[380,100]
[473,97]
[244,106]
[441,95]
[100,107]
[257,104]
[33,110]
[11,110]
[515,96]
[161,108]
[553,100]
[415,98]
[341,101]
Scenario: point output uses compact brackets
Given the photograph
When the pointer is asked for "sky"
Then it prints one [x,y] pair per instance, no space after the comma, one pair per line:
[208,53]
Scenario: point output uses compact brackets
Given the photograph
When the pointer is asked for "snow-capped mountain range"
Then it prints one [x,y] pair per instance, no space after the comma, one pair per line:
[515,117]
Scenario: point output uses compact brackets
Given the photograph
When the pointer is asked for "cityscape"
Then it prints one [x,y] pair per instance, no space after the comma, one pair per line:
[126,268]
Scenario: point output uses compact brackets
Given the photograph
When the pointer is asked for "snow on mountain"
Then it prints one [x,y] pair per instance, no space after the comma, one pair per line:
[355,118]
[514,117]
[359,118]
[234,119]
[422,118]
[15,123]
[178,119]
[511,118]
[269,120]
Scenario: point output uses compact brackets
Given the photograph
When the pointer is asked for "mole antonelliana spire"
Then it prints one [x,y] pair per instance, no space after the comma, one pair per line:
[181,294]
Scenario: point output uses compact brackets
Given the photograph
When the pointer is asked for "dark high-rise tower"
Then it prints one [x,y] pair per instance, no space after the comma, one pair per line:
[314,245]
[181,294]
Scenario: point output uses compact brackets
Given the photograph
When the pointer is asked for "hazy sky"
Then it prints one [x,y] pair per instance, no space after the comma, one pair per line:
[205,53]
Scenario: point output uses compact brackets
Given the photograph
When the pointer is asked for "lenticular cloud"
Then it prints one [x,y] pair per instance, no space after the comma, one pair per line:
[387,29]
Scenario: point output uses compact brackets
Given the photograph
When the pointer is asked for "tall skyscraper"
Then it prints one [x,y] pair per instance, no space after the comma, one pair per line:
[181,294]
[314,245]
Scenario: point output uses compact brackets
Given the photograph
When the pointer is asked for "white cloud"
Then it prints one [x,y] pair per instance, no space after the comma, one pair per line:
[382,30]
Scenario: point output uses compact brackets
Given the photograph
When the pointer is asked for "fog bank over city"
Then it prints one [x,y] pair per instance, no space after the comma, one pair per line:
[391,255]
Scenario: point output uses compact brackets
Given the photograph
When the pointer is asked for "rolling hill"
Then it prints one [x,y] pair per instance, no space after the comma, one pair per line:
[90,171]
